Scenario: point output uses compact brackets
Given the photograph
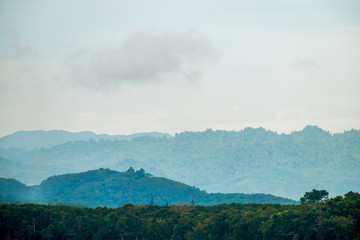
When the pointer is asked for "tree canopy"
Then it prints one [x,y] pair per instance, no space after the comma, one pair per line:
[336,218]
[314,196]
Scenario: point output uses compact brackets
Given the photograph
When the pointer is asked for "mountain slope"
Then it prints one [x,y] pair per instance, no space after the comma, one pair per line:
[11,190]
[109,188]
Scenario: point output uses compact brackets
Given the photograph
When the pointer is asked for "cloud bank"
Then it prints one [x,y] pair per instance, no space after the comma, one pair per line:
[143,57]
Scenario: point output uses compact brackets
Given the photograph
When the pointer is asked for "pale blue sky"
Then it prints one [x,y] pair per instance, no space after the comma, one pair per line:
[121,67]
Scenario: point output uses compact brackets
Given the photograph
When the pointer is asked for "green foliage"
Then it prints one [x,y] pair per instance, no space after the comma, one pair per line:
[314,196]
[336,218]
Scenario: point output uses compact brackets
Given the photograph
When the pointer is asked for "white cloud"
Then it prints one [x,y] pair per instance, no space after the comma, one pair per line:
[142,57]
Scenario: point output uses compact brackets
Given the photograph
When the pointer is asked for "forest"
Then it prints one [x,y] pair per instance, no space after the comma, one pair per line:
[334,218]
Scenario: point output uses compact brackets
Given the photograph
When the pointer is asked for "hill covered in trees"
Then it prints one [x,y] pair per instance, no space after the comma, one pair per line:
[248,161]
[337,218]
[109,188]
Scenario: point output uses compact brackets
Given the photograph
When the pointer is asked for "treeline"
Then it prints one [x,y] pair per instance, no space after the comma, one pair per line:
[336,218]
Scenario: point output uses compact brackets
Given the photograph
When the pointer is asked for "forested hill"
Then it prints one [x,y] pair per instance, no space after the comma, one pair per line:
[109,188]
[247,161]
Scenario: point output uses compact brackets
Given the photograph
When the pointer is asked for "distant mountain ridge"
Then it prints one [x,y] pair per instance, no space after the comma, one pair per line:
[248,161]
[46,139]
[104,187]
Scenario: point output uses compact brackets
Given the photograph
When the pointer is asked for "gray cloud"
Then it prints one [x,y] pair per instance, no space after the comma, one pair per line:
[143,57]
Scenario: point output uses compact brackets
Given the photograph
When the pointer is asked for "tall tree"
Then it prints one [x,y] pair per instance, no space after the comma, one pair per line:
[314,196]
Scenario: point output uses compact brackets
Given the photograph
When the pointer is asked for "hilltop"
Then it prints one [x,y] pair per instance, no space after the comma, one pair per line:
[105,187]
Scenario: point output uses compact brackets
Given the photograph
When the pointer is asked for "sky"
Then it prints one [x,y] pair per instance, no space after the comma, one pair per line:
[121,67]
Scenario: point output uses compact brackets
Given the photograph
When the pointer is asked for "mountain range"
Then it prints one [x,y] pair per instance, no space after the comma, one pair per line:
[104,187]
[46,139]
[247,161]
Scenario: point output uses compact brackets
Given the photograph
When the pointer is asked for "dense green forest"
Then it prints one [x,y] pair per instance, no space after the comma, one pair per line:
[335,218]
[247,161]
[104,187]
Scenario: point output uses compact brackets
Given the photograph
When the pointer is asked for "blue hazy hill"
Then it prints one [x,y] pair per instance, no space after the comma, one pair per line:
[104,187]
[45,139]
[247,161]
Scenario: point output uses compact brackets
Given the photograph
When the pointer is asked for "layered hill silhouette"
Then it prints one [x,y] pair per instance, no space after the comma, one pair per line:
[104,187]
[247,161]
[46,139]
